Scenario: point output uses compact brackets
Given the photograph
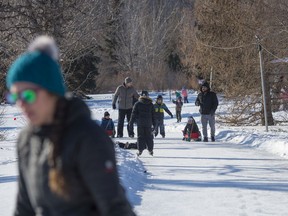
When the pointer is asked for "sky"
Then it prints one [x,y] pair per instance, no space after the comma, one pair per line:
[243,173]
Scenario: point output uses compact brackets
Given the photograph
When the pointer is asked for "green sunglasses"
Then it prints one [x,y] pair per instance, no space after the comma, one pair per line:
[28,96]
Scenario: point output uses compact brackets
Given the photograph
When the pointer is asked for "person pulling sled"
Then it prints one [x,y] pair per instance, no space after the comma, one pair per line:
[191,131]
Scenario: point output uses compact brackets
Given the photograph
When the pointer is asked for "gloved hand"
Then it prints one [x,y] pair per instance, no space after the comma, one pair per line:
[171,116]
[197,103]
[114,106]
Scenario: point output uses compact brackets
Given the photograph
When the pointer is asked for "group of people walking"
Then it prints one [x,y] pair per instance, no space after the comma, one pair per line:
[150,117]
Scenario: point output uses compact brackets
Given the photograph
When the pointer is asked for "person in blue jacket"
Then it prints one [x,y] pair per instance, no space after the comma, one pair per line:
[159,108]
[108,125]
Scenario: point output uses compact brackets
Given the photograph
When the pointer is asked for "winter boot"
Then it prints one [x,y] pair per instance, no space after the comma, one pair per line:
[212,138]
[139,153]
[205,139]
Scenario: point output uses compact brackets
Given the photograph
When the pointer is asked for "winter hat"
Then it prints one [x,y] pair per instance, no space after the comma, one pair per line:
[160,97]
[144,93]
[128,80]
[38,66]
[206,84]
[106,114]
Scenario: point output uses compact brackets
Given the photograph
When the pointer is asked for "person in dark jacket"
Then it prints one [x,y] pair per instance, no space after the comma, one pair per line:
[208,102]
[108,125]
[178,108]
[159,108]
[191,130]
[126,96]
[143,114]
[67,163]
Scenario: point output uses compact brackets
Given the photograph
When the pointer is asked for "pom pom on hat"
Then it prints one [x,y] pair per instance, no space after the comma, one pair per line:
[46,45]
[38,66]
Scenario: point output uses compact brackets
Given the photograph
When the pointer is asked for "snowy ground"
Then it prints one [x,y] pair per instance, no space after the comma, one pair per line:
[244,173]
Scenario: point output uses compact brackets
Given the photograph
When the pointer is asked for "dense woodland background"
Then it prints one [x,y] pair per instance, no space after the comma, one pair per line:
[161,44]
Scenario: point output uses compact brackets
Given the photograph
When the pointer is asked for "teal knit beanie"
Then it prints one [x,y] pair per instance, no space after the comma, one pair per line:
[37,68]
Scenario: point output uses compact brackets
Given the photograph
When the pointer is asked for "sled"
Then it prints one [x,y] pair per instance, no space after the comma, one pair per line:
[127,145]
[193,137]
[110,133]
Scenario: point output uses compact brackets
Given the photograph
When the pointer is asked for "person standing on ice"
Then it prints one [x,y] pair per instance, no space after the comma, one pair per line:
[159,108]
[184,94]
[126,95]
[208,102]
[108,125]
[143,113]
[67,163]
[178,108]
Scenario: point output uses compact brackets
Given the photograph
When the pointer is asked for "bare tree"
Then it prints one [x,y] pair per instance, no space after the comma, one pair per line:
[75,25]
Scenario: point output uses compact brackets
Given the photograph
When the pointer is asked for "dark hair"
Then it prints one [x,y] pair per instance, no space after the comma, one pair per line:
[57,180]
[144,93]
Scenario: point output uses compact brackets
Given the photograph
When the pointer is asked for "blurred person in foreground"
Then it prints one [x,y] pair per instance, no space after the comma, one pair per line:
[67,163]
[208,102]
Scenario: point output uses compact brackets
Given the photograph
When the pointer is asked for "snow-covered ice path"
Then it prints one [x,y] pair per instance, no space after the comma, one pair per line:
[205,179]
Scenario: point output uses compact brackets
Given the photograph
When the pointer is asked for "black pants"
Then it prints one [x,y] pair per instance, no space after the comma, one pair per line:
[178,115]
[145,138]
[186,100]
[159,123]
[121,117]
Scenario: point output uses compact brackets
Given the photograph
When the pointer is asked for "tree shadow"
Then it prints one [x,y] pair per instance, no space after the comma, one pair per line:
[7,179]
